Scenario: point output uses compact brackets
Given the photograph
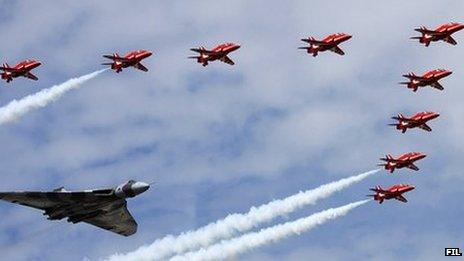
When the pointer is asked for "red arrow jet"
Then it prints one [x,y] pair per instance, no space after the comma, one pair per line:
[395,191]
[219,52]
[442,33]
[418,120]
[429,78]
[131,59]
[329,43]
[404,161]
[21,69]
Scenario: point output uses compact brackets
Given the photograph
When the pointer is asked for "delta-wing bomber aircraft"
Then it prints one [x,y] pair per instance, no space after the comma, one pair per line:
[105,208]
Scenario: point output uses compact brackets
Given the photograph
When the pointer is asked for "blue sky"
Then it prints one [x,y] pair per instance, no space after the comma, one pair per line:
[221,139]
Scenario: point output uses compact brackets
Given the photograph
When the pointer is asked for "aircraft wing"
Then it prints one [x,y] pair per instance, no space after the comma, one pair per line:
[116,219]
[39,200]
[141,67]
[413,167]
[31,76]
[401,198]
[337,50]
[437,85]
[227,60]
[450,40]
[96,207]
[425,127]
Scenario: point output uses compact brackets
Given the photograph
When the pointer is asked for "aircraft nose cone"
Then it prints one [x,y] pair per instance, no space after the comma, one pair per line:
[446,73]
[140,187]
[235,47]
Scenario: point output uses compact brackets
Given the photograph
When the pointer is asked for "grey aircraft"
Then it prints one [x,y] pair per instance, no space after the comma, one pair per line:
[104,208]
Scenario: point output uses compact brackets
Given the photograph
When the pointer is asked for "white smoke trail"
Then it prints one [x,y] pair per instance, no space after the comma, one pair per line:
[17,108]
[236,223]
[230,248]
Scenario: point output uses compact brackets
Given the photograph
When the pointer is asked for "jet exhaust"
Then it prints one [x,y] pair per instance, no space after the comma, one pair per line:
[17,108]
[230,248]
[236,223]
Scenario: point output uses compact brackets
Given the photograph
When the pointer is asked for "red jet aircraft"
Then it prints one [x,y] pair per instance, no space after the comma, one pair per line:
[330,43]
[130,59]
[406,160]
[443,33]
[429,78]
[219,52]
[395,191]
[418,120]
[21,69]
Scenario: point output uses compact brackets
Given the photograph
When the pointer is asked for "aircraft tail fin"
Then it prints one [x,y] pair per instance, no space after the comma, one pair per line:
[388,157]
[399,117]
[60,189]
[311,40]
[5,66]
[422,30]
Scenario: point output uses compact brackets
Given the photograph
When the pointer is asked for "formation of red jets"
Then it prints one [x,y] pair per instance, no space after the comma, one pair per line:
[420,119]
[330,43]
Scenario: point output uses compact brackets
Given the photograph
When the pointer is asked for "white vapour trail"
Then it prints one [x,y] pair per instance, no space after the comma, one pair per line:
[17,108]
[236,223]
[230,248]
